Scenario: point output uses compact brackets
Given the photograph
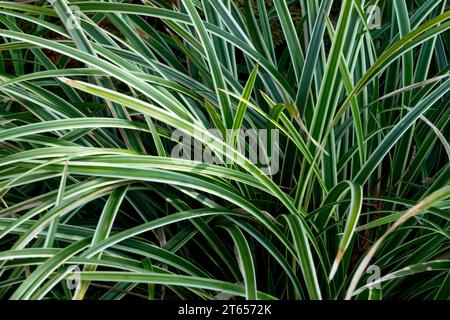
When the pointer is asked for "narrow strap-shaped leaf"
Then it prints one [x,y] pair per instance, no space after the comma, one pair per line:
[246,262]
[54,225]
[290,33]
[102,231]
[304,254]
[350,226]
[219,82]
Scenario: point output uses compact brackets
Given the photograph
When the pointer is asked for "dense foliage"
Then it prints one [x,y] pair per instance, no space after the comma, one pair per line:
[94,206]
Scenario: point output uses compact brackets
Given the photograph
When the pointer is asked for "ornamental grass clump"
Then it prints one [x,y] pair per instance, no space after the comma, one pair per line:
[198,150]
